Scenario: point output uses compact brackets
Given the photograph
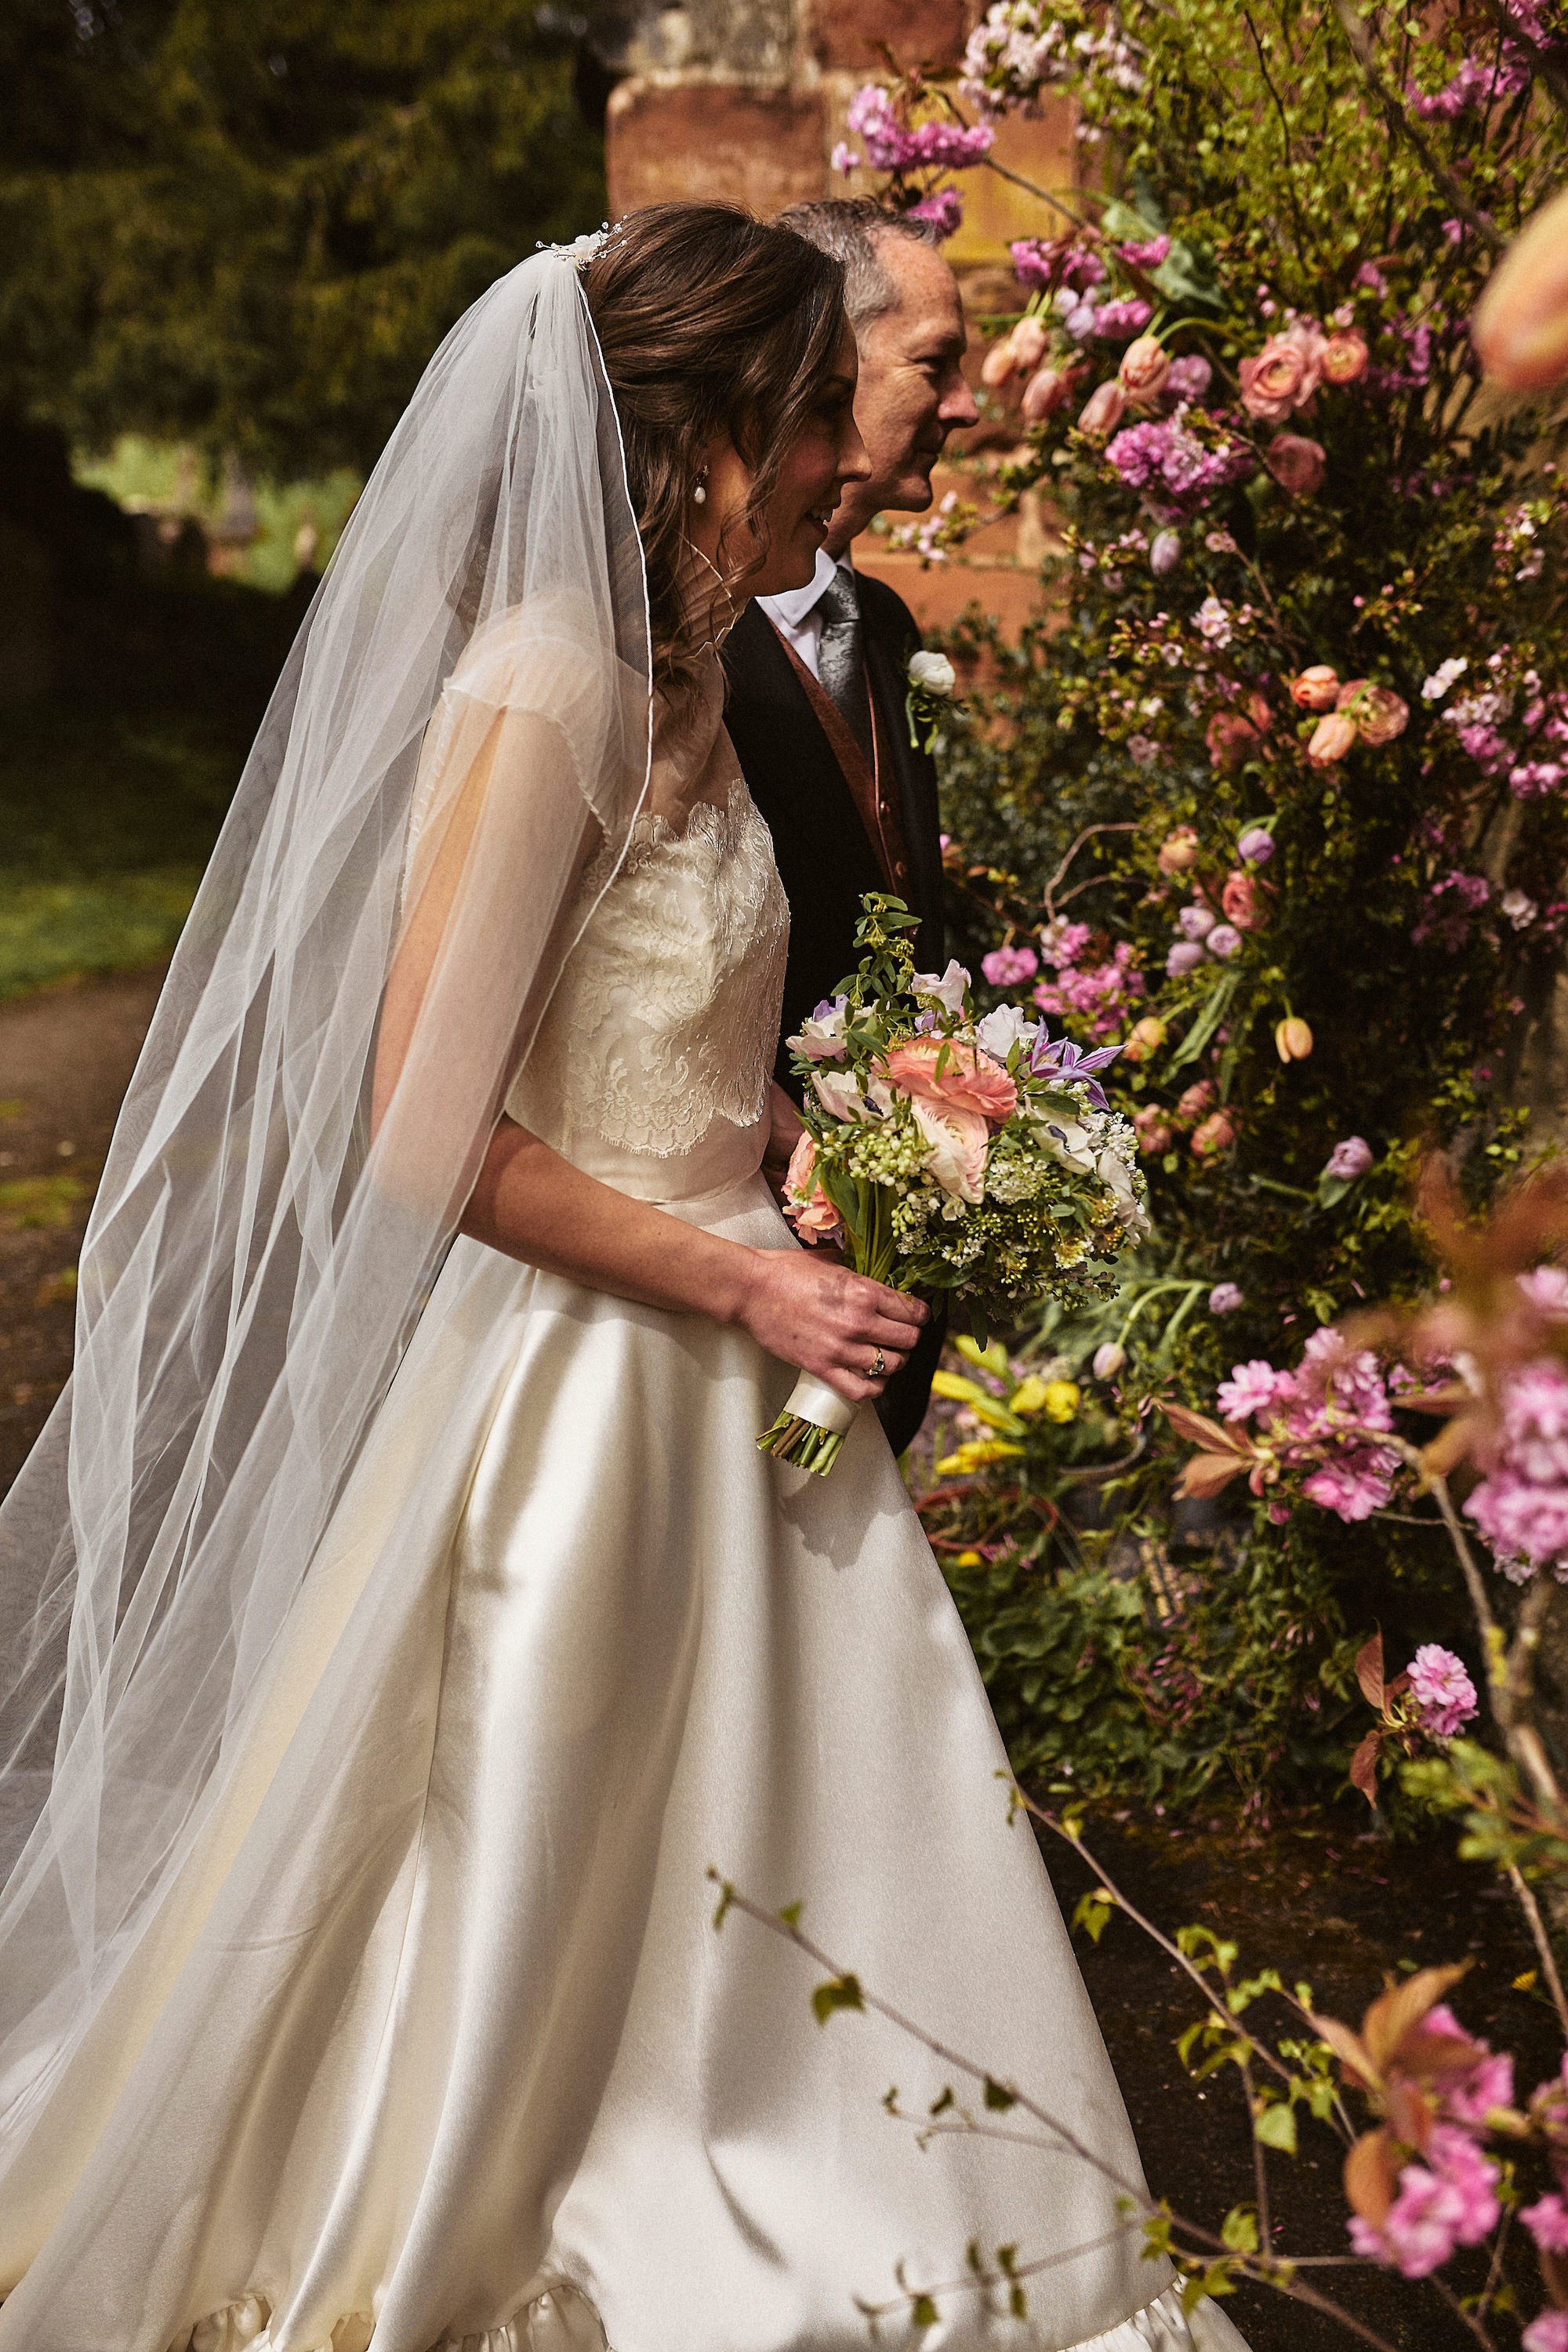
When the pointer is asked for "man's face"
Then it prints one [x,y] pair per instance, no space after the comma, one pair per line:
[911,392]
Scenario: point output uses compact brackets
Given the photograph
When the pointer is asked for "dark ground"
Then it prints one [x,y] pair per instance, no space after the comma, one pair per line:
[1335,1905]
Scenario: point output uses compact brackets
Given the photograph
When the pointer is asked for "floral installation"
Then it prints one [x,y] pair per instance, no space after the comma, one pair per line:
[948,1154]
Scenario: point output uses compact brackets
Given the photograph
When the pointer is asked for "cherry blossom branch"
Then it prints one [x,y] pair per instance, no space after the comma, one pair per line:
[1531,1910]
[1265,2268]
[1363,49]
[1048,895]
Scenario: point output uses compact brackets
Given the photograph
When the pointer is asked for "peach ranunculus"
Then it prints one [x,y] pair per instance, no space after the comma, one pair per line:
[805,1204]
[953,1075]
[958,1141]
[1344,358]
[1379,713]
[1217,1134]
[1332,738]
[1317,689]
[1283,376]
[1145,364]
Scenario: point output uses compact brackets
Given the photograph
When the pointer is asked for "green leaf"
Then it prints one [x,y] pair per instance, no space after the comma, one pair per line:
[998,2098]
[922,2312]
[791,1913]
[838,1992]
[1275,2125]
[1239,2231]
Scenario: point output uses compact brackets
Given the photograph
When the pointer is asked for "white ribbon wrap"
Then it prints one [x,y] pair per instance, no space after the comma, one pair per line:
[814,1400]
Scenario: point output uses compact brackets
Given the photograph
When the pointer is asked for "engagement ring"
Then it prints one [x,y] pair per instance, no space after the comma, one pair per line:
[879,1368]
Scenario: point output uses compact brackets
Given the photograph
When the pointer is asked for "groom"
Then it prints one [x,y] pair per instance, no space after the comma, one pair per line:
[818,676]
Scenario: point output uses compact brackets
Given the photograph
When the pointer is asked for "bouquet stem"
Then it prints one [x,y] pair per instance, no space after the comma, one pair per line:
[811,1430]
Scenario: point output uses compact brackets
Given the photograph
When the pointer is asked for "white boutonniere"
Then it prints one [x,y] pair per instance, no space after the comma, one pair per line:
[929,699]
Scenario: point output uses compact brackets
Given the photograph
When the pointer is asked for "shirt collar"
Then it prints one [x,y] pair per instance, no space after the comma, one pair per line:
[794,606]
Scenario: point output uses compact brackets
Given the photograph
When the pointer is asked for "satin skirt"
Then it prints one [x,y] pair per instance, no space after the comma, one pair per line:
[437,2043]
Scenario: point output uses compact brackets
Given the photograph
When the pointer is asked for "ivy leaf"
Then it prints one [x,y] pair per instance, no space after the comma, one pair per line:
[1275,2125]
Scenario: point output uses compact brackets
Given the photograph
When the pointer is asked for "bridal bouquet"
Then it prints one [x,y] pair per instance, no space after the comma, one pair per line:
[947,1154]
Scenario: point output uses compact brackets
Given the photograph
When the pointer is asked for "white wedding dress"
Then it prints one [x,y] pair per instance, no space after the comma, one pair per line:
[458,2057]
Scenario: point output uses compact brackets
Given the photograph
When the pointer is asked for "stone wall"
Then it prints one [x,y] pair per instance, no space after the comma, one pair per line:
[744,100]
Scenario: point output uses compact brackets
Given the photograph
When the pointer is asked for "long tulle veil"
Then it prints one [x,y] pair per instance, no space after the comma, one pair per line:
[463,721]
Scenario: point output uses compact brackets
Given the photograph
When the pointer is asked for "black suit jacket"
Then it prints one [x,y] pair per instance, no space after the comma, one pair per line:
[825,858]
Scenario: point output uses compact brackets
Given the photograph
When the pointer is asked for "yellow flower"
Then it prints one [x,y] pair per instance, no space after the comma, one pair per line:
[1030,1395]
[969,1559]
[974,1455]
[1061,1400]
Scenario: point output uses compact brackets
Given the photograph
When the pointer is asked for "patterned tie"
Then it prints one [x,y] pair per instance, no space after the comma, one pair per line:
[840,665]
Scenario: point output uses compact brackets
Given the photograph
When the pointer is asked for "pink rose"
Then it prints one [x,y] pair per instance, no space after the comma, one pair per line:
[1345,359]
[1153,1129]
[1379,713]
[1283,376]
[1297,464]
[1104,409]
[805,1204]
[1317,689]
[967,1080]
[1145,365]
[1239,901]
[1332,738]
[958,1146]
[1197,1099]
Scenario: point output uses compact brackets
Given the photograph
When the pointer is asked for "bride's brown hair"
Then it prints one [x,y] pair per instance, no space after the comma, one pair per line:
[709,322]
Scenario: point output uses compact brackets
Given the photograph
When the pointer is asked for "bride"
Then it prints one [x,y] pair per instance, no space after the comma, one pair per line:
[401,1619]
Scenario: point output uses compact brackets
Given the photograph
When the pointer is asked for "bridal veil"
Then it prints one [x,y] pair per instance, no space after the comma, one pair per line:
[464,718]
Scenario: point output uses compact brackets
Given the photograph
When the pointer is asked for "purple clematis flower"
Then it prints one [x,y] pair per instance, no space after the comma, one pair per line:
[1065,1060]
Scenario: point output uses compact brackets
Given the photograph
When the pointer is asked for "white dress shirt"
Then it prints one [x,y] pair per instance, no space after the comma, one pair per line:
[794,611]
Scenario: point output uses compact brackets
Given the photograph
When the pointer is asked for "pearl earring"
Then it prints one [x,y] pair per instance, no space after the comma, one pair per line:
[699,494]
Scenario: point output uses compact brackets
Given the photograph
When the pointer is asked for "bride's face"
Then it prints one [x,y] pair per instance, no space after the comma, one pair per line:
[826,453]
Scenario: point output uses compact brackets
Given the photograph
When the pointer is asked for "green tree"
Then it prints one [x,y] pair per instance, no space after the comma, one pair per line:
[250,228]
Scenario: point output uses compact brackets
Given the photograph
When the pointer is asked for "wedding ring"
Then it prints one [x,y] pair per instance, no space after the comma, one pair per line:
[879,1368]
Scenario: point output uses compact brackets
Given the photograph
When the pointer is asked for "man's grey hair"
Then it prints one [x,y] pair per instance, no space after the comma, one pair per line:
[851,228]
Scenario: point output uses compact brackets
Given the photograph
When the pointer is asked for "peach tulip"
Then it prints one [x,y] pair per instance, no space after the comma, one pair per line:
[1104,409]
[1145,364]
[1332,738]
[1178,850]
[1317,689]
[1292,1039]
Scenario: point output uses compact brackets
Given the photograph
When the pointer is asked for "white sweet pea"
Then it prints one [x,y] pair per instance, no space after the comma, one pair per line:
[839,1092]
[1002,1030]
[947,987]
[821,1037]
[932,673]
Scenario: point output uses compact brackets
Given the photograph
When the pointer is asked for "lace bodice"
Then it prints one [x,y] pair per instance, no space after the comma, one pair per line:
[651,1067]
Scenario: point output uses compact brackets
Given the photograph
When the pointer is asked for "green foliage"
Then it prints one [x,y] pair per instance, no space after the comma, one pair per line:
[250,228]
[1410,911]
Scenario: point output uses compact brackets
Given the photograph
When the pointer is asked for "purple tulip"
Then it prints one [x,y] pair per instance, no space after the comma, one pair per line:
[1224,940]
[1165,551]
[1195,922]
[1256,846]
[1349,1159]
[1185,956]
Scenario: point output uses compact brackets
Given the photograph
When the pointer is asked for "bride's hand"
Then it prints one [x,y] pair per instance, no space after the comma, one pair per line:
[810,1312]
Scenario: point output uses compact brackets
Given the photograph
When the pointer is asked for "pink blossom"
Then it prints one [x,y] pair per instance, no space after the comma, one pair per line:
[943,208]
[1522,1504]
[1251,1388]
[1547,2333]
[1062,942]
[1534,780]
[1189,378]
[1225,1299]
[1145,253]
[1167,455]
[1450,2200]
[843,158]
[1546,1288]
[1005,967]
[1490,2081]
[1354,1485]
[1123,318]
[1442,1690]
[1143,748]
[1100,995]
[1548,2223]
[1045,264]
[889,147]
